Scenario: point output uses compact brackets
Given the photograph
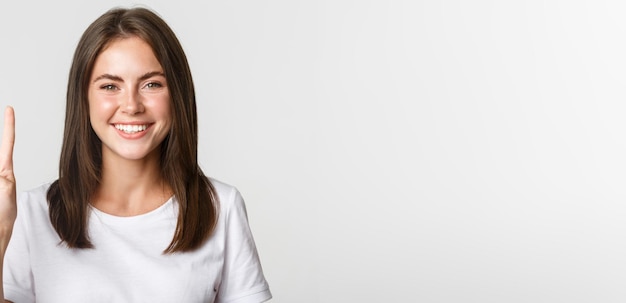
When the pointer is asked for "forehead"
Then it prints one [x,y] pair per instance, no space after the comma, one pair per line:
[126,56]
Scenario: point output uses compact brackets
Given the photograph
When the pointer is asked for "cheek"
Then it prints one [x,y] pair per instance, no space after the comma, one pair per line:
[167,114]
[101,107]
[162,108]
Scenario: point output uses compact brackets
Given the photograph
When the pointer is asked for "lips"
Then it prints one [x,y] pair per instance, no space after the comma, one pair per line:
[131,128]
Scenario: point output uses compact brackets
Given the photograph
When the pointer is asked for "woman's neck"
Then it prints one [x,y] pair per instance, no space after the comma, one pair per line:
[131,187]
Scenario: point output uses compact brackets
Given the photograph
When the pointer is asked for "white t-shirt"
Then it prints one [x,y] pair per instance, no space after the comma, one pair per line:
[127,263]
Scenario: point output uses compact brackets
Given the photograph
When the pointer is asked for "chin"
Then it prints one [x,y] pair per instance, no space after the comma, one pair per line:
[134,155]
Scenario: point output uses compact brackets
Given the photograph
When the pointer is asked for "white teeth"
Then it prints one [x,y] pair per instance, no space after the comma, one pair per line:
[131,129]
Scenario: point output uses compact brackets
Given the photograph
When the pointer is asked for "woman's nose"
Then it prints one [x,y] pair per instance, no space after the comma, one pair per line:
[132,104]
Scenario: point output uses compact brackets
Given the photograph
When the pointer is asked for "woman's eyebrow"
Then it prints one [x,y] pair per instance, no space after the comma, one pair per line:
[110,77]
[145,76]
[151,74]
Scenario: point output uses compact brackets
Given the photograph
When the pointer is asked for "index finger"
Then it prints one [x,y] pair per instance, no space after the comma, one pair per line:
[8,140]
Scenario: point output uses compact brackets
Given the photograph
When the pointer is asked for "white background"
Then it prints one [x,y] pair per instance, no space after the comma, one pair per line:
[388,151]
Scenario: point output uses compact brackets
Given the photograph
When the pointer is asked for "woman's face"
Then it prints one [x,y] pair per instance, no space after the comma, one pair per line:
[129,101]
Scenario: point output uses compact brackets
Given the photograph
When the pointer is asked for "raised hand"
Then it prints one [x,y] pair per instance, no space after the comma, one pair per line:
[8,209]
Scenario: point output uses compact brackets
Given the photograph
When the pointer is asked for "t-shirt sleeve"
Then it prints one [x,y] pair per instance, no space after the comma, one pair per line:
[17,273]
[242,279]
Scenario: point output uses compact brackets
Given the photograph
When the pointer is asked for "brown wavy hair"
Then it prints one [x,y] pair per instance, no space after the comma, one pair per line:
[81,154]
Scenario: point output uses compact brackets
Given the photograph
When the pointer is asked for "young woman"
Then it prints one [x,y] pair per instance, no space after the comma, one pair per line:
[132,217]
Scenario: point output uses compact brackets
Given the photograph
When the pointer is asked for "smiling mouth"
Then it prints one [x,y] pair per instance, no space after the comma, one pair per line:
[131,129]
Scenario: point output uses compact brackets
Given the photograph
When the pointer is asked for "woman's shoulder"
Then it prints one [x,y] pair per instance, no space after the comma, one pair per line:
[221,187]
[33,203]
[228,195]
[38,194]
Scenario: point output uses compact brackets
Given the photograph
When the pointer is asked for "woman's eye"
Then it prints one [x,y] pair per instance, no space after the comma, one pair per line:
[108,87]
[153,85]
